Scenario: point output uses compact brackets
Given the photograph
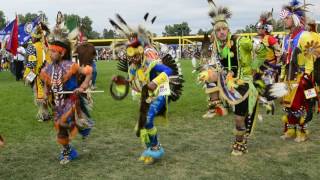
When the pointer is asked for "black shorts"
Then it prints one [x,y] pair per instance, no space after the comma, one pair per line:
[241,109]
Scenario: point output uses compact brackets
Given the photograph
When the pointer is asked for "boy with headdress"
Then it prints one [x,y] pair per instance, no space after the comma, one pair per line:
[301,49]
[264,28]
[271,68]
[61,78]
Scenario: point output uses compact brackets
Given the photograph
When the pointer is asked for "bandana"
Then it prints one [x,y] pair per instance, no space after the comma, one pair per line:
[57,48]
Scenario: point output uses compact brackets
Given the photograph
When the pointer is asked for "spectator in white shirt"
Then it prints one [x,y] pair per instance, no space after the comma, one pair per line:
[20,58]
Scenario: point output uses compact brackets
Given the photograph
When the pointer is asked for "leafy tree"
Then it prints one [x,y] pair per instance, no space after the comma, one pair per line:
[72,21]
[94,35]
[108,34]
[86,23]
[248,29]
[2,20]
[182,29]
[31,16]
[277,27]
[202,32]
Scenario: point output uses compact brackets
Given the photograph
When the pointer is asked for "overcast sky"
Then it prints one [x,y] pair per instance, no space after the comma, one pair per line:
[195,12]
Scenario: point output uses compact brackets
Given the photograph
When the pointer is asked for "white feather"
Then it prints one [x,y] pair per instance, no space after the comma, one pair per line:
[296,20]
[279,90]
[73,34]
[194,62]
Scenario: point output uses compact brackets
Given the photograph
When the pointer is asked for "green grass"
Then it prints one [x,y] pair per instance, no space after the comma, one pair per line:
[195,148]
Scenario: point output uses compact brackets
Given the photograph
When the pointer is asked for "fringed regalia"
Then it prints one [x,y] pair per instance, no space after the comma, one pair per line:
[243,91]
[144,67]
[222,59]
[301,49]
[235,62]
[71,110]
[37,57]
[270,69]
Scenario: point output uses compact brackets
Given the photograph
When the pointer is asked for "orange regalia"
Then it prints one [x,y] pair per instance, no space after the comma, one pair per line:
[67,82]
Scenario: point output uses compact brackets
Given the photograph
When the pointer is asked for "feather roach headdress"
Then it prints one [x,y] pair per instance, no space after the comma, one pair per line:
[40,30]
[266,21]
[61,36]
[219,15]
[296,10]
[138,40]
[137,37]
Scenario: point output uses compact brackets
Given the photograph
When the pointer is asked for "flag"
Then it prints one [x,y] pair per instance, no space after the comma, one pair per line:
[26,29]
[5,32]
[7,29]
[13,43]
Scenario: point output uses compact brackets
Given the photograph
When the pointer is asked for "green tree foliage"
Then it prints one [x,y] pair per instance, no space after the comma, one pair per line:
[202,32]
[94,35]
[277,27]
[30,16]
[87,28]
[182,29]
[72,21]
[108,34]
[2,20]
[248,29]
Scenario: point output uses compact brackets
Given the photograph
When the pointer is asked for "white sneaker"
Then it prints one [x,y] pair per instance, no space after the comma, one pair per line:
[209,115]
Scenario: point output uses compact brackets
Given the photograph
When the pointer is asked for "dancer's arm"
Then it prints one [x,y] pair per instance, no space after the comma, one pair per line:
[87,71]
[164,73]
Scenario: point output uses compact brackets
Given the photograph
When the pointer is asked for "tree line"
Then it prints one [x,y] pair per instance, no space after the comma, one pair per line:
[73,20]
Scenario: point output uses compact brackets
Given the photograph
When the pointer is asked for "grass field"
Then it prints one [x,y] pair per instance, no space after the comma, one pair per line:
[195,148]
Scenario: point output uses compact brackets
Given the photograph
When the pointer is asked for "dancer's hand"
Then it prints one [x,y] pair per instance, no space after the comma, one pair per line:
[119,80]
[79,90]
[115,78]
[152,86]
[230,74]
